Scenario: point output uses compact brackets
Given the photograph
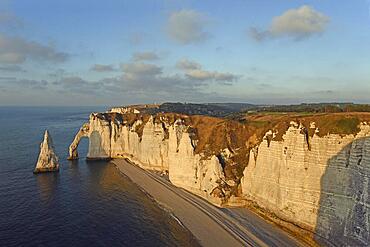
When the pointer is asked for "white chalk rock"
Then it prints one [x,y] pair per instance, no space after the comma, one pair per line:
[321,184]
[48,160]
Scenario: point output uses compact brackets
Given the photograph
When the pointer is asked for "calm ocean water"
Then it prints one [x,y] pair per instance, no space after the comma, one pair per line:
[85,204]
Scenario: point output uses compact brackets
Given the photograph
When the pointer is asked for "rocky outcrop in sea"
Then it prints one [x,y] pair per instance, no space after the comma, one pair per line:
[48,160]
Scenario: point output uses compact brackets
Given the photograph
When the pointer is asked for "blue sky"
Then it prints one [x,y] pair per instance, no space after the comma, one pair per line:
[122,52]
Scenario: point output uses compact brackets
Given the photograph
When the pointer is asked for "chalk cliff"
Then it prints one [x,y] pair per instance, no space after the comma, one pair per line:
[318,183]
[156,143]
[83,132]
[48,160]
[310,171]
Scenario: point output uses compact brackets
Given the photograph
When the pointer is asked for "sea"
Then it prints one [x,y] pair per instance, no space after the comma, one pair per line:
[86,203]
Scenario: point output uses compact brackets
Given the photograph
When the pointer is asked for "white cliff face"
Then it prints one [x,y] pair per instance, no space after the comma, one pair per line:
[99,138]
[161,147]
[149,151]
[169,149]
[48,160]
[190,170]
[319,183]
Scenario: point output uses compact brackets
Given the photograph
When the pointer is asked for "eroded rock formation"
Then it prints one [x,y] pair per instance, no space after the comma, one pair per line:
[157,144]
[83,132]
[48,160]
[312,171]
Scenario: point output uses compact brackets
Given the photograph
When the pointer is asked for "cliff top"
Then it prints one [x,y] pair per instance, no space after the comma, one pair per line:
[344,123]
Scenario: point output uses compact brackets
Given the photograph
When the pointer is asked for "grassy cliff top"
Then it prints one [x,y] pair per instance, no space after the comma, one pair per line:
[344,123]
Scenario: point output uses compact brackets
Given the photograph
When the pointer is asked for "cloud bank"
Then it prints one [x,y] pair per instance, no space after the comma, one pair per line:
[102,68]
[135,70]
[194,71]
[16,50]
[185,64]
[23,84]
[139,81]
[145,56]
[11,68]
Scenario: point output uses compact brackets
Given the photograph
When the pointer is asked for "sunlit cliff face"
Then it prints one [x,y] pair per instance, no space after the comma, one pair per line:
[314,180]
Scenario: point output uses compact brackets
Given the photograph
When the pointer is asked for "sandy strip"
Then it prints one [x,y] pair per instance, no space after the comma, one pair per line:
[209,224]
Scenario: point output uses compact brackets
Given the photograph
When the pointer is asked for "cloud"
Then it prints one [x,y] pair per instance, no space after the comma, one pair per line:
[34,84]
[194,71]
[258,35]
[15,50]
[187,26]
[14,83]
[149,81]
[10,20]
[73,81]
[77,85]
[140,69]
[11,68]
[145,56]
[185,64]
[204,75]
[299,24]
[139,81]
[102,68]
[57,73]
[324,92]
[7,78]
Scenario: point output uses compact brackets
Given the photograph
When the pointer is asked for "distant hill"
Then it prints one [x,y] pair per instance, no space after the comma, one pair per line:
[236,110]
[210,109]
[315,108]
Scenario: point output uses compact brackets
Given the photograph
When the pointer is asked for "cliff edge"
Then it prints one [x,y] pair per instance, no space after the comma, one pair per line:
[310,170]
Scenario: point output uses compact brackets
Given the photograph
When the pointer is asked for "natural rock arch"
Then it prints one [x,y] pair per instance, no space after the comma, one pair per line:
[83,132]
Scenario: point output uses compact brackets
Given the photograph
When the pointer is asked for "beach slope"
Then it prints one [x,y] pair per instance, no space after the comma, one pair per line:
[209,224]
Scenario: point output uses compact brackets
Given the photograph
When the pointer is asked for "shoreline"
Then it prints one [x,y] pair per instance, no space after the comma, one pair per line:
[210,225]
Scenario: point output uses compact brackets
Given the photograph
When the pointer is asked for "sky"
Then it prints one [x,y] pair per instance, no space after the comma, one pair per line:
[118,52]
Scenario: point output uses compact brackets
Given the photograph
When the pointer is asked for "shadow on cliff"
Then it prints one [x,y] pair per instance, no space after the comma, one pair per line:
[343,214]
[96,149]
[81,148]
